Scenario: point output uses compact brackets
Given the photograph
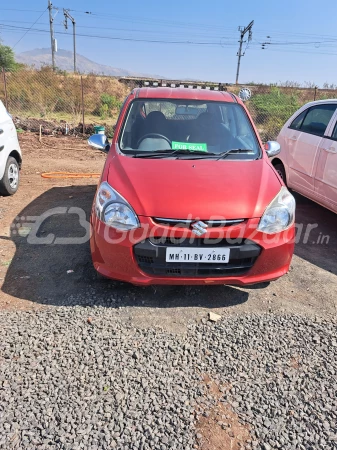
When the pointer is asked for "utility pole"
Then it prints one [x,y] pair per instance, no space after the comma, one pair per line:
[66,17]
[243,32]
[52,38]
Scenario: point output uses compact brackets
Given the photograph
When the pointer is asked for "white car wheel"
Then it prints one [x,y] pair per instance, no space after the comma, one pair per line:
[13,176]
[10,181]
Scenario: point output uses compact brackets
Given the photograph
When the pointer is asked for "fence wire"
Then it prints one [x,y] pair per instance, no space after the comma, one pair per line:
[57,102]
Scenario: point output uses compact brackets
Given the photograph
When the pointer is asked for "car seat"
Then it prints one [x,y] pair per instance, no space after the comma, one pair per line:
[207,129]
[155,122]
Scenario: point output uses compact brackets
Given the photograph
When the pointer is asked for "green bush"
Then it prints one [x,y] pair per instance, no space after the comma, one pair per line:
[104,111]
[274,104]
[108,107]
[111,101]
[270,129]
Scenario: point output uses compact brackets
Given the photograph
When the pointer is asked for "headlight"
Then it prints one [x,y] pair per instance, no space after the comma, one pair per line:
[112,209]
[280,214]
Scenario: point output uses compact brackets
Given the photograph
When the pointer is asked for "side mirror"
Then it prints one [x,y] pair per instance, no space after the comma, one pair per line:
[100,142]
[272,148]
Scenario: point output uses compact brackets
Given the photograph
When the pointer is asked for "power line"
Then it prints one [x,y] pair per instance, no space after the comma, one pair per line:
[172,33]
[157,41]
[229,44]
[275,32]
[13,28]
[219,36]
[38,32]
[318,53]
[131,19]
[298,43]
[22,10]
[169,32]
[29,29]
[175,24]
[154,21]
[330,39]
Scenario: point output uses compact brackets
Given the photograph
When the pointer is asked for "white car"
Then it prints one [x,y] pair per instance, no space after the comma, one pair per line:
[308,159]
[10,154]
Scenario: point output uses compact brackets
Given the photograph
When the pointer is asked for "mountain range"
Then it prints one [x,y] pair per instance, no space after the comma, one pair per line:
[64,60]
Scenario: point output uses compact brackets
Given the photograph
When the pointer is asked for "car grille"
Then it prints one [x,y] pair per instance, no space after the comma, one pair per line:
[194,242]
[182,223]
[151,257]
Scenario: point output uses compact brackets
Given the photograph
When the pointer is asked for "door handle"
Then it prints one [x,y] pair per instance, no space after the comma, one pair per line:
[293,138]
[331,149]
[1,131]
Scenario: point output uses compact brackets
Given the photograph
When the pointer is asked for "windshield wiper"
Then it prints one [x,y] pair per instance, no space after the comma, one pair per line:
[234,150]
[203,155]
[169,153]
[192,154]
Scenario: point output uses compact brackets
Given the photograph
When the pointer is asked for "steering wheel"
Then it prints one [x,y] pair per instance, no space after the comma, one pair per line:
[153,135]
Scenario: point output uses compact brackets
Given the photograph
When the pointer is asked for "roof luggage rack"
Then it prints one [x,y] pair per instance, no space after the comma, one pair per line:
[153,82]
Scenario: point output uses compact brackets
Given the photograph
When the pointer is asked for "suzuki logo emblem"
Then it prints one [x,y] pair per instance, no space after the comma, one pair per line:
[199,228]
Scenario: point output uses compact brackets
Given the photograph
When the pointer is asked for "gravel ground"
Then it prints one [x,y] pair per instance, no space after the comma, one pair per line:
[84,378]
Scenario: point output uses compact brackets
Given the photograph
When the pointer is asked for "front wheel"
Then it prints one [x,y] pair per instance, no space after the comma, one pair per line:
[281,172]
[10,181]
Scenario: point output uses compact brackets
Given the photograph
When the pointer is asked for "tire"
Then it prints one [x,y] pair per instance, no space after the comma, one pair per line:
[10,181]
[281,172]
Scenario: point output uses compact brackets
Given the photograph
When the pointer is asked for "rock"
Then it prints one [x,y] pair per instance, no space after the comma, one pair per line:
[214,317]
[67,385]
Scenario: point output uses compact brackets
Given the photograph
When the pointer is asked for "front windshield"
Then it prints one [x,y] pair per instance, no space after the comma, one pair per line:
[154,125]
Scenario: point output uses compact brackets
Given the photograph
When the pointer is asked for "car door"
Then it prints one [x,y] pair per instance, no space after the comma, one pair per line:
[5,126]
[304,149]
[326,172]
[287,139]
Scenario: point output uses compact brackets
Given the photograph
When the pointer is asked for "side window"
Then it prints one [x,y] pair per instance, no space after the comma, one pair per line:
[317,119]
[296,123]
[334,133]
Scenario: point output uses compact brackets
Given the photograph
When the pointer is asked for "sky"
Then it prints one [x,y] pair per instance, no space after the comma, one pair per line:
[198,40]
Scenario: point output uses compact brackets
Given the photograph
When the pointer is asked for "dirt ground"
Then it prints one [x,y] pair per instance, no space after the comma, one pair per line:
[219,427]
[33,276]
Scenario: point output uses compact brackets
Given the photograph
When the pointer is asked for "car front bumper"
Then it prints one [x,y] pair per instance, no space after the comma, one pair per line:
[138,256]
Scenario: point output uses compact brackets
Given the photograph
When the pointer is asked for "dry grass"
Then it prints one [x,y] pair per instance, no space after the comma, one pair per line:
[44,94]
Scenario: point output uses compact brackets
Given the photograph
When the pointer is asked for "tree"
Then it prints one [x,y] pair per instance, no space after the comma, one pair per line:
[7,59]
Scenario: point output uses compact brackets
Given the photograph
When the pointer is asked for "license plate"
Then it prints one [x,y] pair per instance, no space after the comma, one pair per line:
[198,255]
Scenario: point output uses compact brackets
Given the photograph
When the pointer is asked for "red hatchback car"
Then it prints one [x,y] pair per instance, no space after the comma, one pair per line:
[188,195]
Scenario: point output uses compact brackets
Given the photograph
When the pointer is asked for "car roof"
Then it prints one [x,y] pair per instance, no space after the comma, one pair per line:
[320,102]
[185,93]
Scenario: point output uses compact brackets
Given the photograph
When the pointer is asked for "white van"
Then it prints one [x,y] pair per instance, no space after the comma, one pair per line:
[10,154]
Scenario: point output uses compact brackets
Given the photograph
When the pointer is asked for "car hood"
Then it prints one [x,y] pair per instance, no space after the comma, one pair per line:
[202,189]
